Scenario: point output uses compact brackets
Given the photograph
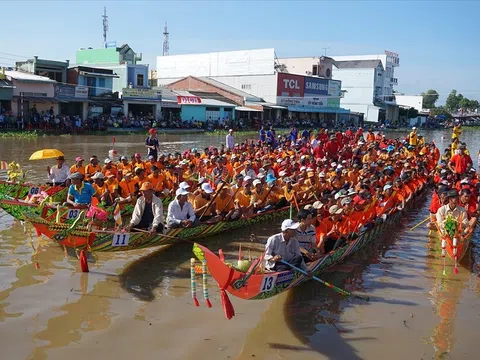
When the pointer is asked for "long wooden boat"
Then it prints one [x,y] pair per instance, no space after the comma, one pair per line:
[253,286]
[81,236]
[456,248]
[20,190]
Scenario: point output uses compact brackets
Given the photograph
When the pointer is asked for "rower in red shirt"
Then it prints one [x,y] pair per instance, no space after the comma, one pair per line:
[460,163]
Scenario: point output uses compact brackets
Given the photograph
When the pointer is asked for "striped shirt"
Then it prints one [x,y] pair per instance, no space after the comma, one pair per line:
[306,239]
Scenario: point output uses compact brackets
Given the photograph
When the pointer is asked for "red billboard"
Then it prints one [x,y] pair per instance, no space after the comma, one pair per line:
[289,85]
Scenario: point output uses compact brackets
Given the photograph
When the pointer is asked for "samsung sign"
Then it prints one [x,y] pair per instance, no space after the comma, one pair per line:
[315,86]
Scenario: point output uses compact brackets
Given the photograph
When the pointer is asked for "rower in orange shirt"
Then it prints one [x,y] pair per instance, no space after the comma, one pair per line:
[128,186]
[109,166]
[78,167]
[92,168]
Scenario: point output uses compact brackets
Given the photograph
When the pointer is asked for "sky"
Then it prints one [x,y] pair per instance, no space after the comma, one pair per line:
[438,41]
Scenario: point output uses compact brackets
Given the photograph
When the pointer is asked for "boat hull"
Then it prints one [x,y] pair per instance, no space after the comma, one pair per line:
[267,285]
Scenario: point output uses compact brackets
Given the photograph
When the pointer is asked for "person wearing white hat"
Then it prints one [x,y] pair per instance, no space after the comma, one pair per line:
[284,246]
[101,188]
[205,208]
[180,211]
[229,140]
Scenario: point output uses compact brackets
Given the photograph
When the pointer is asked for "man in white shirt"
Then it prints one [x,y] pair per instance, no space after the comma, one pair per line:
[148,212]
[284,246]
[454,210]
[230,141]
[59,174]
[180,211]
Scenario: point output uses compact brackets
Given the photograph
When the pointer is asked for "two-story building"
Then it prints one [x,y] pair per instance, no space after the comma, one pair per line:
[31,91]
[52,69]
[123,61]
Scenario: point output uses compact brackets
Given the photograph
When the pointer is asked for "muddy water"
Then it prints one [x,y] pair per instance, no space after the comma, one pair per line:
[138,305]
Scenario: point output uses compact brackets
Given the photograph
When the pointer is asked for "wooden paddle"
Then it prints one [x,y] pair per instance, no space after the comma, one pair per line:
[212,200]
[420,223]
[333,287]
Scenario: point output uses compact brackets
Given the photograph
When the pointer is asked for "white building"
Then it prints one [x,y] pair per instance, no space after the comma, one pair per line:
[368,87]
[257,72]
[411,101]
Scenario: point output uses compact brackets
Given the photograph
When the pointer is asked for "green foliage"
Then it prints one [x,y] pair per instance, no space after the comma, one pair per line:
[408,113]
[430,98]
[440,111]
[451,226]
[458,101]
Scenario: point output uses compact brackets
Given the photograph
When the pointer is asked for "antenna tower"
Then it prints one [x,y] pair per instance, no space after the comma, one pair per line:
[166,46]
[105,26]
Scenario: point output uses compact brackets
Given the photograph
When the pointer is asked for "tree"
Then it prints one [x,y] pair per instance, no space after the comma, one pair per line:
[430,98]
[474,105]
[440,111]
[453,101]
[410,113]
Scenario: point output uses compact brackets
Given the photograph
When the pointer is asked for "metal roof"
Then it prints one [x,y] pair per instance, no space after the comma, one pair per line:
[358,64]
[231,89]
[27,77]
[6,84]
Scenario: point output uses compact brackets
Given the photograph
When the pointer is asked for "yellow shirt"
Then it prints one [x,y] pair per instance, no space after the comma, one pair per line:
[413,138]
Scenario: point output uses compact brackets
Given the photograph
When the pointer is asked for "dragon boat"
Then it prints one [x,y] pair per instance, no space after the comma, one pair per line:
[81,235]
[256,284]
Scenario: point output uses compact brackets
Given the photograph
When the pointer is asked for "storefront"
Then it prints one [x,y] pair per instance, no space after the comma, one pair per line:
[195,108]
[171,110]
[72,100]
[142,103]
[6,95]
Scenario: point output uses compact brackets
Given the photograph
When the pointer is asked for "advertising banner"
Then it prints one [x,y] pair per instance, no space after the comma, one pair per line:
[289,85]
[64,91]
[81,92]
[141,94]
[320,101]
[289,101]
[315,86]
[334,87]
[333,103]
[189,100]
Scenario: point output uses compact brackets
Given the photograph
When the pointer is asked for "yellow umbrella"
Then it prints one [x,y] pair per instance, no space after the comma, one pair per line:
[46,154]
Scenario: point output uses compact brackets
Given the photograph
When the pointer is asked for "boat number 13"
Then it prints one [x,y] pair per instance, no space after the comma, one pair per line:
[268,282]
[120,239]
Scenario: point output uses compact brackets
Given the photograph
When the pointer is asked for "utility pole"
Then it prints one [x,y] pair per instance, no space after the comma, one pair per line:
[166,45]
[105,26]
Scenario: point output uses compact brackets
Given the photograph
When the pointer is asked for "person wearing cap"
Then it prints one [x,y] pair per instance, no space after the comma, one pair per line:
[58,174]
[469,202]
[306,235]
[284,246]
[456,131]
[148,212]
[101,188]
[152,145]
[244,198]
[439,198]
[204,206]
[140,177]
[229,140]
[92,168]
[332,229]
[225,206]
[180,211]
[112,183]
[157,180]
[128,187]
[259,196]
[80,193]
[109,166]
[137,162]
[413,137]
[124,166]
[452,209]
[460,163]
[78,166]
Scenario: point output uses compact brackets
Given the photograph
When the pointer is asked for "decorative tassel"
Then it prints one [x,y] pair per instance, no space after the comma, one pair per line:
[455,269]
[83,261]
[57,217]
[227,305]
[204,279]
[444,264]
[193,285]
[444,245]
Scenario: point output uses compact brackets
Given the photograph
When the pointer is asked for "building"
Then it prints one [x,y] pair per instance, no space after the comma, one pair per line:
[411,101]
[197,108]
[6,93]
[378,101]
[95,85]
[31,91]
[256,73]
[54,70]
[132,81]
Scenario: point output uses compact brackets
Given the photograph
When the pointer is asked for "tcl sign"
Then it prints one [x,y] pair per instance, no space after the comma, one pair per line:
[290,85]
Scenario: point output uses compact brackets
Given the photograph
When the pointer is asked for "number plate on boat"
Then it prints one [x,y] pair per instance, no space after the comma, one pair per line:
[34,190]
[268,283]
[73,214]
[120,239]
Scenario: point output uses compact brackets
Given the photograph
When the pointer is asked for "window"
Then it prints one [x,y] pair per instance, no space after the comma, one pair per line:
[314,69]
[246,87]
[139,79]
[101,83]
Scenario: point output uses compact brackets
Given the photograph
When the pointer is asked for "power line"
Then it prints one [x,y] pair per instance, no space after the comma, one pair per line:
[16,55]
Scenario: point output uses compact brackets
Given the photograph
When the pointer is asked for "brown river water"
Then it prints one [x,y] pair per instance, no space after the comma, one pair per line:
[137,305]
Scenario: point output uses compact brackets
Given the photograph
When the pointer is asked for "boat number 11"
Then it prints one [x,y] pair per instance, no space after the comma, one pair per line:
[268,283]
[120,239]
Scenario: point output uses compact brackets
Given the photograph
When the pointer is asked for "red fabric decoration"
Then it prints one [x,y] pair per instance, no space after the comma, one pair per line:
[83,261]
[209,304]
[227,305]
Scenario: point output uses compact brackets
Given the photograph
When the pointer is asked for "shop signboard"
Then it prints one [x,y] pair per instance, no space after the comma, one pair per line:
[333,102]
[316,87]
[334,88]
[141,94]
[64,91]
[316,102]
[81,92]
[189,100]
[289,85]
[289,101]
[319,101]
[170,104]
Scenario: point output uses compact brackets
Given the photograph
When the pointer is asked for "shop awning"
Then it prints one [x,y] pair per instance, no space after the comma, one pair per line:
[329,110]
[38,99]
[244,108]
[68,100]
[87,73]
